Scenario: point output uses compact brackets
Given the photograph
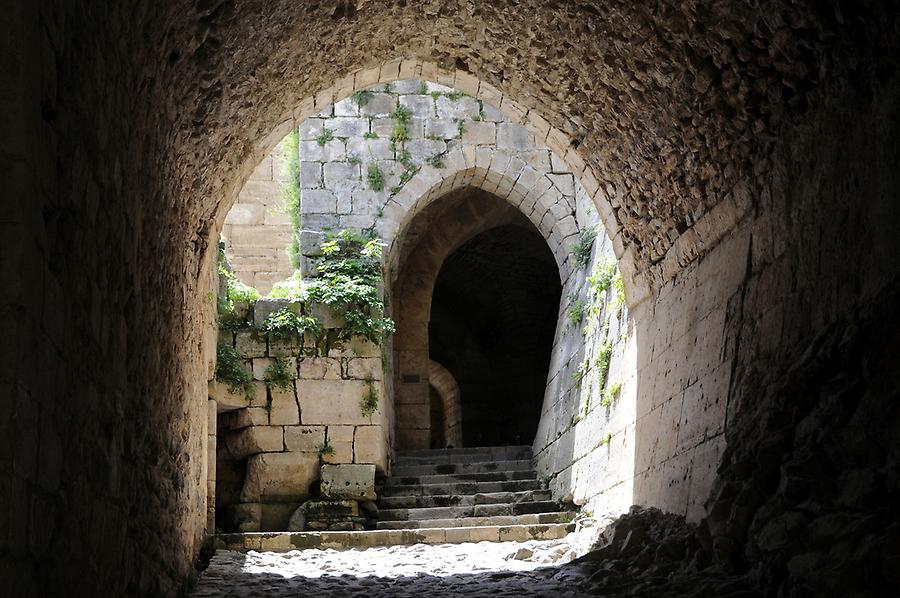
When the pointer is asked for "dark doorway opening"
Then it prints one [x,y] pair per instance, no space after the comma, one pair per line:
[493,318]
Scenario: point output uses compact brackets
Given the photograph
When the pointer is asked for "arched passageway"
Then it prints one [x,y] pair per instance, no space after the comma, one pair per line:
[493,315]
[745,153]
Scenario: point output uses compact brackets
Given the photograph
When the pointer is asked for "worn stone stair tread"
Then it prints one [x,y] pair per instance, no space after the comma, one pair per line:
[529,519]
[461,455]
[490,476]
[458,511]
[461,500]
[459,488]
[283,541]
[457,468]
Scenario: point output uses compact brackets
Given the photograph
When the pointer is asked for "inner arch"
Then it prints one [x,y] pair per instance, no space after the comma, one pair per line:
[493,315]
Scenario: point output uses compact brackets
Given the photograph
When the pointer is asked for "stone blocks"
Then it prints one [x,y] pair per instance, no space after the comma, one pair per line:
[346,481]
[279,477]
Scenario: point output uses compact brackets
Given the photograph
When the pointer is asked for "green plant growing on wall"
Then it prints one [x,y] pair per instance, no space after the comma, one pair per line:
[235,292]
[290,193]
[326,450]
[350,279]
[602,275]
[437,161]
[388,88]
[362,97]
[607,438]
[401,116]
[284,324]
[369,403]
[575,311]
[370,135]
[278,374]
[581,249]
[602,362]
[423,89]
[375,177]
[610,394]
[354,159]
[324,137]
[460,127]
[291,288]
[618,287]
[230,371]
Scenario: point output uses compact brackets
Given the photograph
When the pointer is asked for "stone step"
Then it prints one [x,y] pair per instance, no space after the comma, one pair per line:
[459,455]
[497,520]
[283,541]
[461,500]
[454,468]
[457,512]
[458,488]
[487,476]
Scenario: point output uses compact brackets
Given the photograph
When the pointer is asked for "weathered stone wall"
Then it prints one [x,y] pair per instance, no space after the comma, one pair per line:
[273,442]
[257,229]
[129,129]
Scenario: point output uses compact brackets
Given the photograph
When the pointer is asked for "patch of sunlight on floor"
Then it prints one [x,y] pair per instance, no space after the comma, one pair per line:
[438,560]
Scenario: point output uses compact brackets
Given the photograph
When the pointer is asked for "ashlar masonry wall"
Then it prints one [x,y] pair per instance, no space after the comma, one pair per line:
[257,229]
[271,444]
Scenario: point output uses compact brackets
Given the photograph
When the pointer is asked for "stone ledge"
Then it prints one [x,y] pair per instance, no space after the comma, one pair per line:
[284,541]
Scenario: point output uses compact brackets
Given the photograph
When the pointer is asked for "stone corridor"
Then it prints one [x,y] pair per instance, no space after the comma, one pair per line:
[706,365]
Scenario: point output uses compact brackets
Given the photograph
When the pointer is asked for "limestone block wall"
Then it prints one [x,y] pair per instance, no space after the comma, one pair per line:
[271,444]
[358,171]
[581,444]
[257,229]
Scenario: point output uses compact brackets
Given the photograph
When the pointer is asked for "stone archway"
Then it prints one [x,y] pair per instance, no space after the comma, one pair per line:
[446,387]
[134,126]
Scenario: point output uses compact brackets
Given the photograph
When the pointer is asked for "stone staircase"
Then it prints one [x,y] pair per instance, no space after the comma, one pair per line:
[470,494]
[443,496]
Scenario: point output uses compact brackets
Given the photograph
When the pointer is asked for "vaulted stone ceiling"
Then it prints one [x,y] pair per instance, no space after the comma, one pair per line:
[674,104]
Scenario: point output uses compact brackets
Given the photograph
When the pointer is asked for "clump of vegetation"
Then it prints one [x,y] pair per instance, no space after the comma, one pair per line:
[361,98]
[230,371]
[375,177]
[291,288]
[369,403]
[575,311]
[423,89]
[236,292]
[581,249]
[580,372]
[618,287]
[409,168]
[326,450]
[460,127]
[610,394]
[279,375]
[291,193]
[284,324]
[401,116]
[370,135]
[606,439]
[602,276]
[388,88]
[437,161]
[324,137]
[603,359]
[350,279]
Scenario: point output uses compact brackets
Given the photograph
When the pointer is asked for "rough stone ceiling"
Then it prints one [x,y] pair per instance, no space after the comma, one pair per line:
[674,103]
